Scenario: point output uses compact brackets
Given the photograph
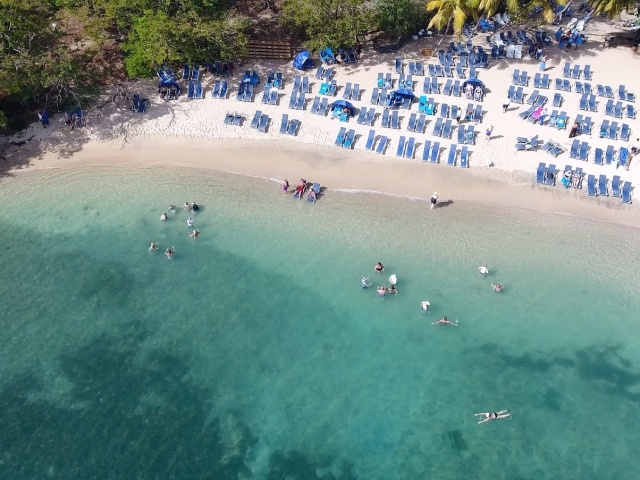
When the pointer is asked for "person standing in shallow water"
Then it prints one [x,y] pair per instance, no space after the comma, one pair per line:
[285,186]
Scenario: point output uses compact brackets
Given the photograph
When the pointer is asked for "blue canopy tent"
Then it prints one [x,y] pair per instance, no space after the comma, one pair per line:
[302,60]
[344,105]
[404,93]
[474,82]
[397,98]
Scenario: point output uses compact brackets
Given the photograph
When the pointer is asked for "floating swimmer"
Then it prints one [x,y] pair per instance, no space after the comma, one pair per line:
[492,415]
[195,233]
[189,222]
[382,291]
[379,267]
[424,305]
[365,283]
[186,207]
[445,321]
[392,289]
[393,279]
[484,270]
[172,208]
[153,247]
[497,287]
[169,252]
[163,217]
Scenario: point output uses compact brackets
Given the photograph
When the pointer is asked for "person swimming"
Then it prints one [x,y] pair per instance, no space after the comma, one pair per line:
[365,283]
[392,289]
[169,252]
[492,415]
[186,207]
[424,305]
[379,267]
[153,247]
[497,287]
[195,233]
[393,279]
[163,217]
[484,270]
[172,208]
[195,207]
[382,291]
[190,222]
[445,321]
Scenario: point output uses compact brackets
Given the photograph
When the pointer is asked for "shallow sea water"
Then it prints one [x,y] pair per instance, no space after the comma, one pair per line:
[254,353]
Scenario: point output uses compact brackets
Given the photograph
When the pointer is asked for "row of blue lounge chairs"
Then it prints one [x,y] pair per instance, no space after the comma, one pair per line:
[219,89]
[527,144]
[300,84]
[191,73]
[608,156]
[274,80]
[615,110]
[319,106]
[195,90]
[297,101]
[233,119]
[324,74]
[623,193]
[260,121]
[289,127]
[610,130]
[345,139]
[251,77]
[328,88]
[520,78]
[270,96]
[245,92]
[415,68]
[625,95]
[575,71]
[406,148]
[366,116]
[351,92]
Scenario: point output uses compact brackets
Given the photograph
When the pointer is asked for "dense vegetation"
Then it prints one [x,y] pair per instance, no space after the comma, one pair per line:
[58,53]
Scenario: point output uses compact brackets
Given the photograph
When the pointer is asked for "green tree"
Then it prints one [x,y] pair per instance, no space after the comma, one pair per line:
[612,8]
[450,13]
[399,17]
[323,23]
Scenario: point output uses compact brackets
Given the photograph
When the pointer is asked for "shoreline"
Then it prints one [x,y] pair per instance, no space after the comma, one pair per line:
[348,174]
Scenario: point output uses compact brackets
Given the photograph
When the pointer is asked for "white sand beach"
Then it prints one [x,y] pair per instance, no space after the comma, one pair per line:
[191,133]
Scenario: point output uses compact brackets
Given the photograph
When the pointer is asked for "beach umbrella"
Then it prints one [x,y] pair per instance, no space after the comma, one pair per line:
[301,59]
[404,93]
[344,104]
[474,82]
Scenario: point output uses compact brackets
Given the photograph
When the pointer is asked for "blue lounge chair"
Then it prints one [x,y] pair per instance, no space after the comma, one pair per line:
[561,122]
[305,84]
[320,73]
[591,185]
[558,84]
[265,95]
[264,121]
[300,101]
[347,91]
[599,157]
[237,119]
[586,88]
[601,91]
[584,151]
[324,89]
[524,79]
[216,89]
[519,95]
[411,124]
[340,138]
[625,132]
[277,83]
[456,88]
[191,90]
[617,111]
[410,151]
[315,106]
[584,102]
[626,192]
[447,70]
[293,127]
[430,108]
[444,110]
[435,153]
[361,116]
[333,88]
[395,120]
[348,140]
[556,150]
[435,86]
[248,93]
[631,112]
[604,129]
[577,178]
[374,96]
[324,106]
[586,74]
[515,78]
[370,140]
[550,176]
[546,81]
[426,85]
[602,186]
[186,72]
[542,167]
[586,126]
[533,96]
[421,123]
[566,71]
[613,131]
[537,80]
[575,73]
[398,65]
[464,157]
[437,128]
[608,110]
[256,119]
[385,118]
[608,91]
[284,124]
[575,149]
[623,157]
[566,85]
[382,145]
[470,135]
[371,115]
[293,99]
[461,132]
[446,90]
[401,146]
[431,69]
[451,158]
[447,130]
[615,186]
[622,92]
[557,100]
[228,119]
[477,114]
[426,150]
[315,188]
[631,97]
[527,113]
[422,103]
[609,155]
[419,69]
[578,88]
[355,93]
[380,82]
[224,86]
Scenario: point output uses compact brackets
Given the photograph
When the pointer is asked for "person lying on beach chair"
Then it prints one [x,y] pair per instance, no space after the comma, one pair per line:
[312,195]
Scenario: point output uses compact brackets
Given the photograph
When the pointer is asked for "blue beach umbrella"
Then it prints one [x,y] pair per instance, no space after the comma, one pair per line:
[343,104]
[300,61]
[474,82]
[404,93]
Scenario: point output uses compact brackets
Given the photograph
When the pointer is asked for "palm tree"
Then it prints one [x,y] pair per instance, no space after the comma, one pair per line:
[612,8]
[450,12]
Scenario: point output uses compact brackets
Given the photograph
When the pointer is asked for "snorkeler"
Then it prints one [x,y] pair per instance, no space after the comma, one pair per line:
[379,267]
[484,270]
[365,283]
[492,415]
[153,247]
[424,305]
[169,252]
[445,321]
[497,287]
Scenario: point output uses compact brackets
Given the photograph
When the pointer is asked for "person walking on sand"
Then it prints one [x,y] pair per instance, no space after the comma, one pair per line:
[488,133]
[444,321]
[484,270]
[505,104]
[492,415]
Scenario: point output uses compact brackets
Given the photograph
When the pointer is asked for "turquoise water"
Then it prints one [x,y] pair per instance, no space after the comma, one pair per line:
[254,353]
